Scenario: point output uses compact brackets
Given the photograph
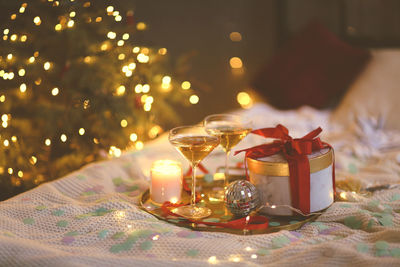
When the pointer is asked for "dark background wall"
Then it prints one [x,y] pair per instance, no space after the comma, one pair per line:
[201,29]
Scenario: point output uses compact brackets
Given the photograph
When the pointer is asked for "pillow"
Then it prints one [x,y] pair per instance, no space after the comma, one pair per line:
[315,68]
[375,93]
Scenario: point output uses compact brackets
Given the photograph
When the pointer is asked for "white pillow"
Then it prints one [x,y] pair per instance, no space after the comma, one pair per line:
[375,93]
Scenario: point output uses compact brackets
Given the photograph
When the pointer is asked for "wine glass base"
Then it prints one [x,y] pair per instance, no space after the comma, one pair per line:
[191,212]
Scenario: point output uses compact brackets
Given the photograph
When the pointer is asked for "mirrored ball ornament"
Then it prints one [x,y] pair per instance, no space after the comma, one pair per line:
[241,197]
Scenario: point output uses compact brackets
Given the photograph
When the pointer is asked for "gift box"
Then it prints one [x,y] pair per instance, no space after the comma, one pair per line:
[292,174]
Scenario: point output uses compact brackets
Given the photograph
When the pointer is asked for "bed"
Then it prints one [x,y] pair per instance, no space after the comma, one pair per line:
[87,217]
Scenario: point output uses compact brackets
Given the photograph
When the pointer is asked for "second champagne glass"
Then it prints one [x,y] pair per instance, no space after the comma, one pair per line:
[194,144]
[231,129]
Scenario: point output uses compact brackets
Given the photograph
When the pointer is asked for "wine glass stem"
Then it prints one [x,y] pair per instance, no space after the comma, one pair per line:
[226,168]
[193,197]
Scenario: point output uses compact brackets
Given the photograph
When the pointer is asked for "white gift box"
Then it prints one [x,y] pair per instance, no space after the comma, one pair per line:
[271,177]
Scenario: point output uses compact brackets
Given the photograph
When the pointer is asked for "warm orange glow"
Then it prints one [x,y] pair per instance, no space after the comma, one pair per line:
[236,63]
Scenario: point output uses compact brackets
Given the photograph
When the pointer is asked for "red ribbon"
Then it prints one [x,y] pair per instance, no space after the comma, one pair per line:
[250,222]
[295,150]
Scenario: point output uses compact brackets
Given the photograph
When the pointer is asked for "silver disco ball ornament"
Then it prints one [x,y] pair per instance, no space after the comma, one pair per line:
[241,197]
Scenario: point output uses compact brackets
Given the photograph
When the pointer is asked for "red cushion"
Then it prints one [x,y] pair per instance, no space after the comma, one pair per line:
[315,68]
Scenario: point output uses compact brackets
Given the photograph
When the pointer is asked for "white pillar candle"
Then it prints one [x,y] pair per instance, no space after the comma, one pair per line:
[166,181]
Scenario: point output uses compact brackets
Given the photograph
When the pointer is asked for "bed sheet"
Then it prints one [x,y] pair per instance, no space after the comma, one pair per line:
[91,217]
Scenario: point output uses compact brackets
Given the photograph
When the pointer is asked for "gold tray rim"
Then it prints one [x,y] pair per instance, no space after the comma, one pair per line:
[144,196]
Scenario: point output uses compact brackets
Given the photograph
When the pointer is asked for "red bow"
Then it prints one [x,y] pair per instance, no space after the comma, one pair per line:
[295,151]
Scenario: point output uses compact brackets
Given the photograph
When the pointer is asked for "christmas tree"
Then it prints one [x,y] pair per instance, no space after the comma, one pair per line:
[77,83]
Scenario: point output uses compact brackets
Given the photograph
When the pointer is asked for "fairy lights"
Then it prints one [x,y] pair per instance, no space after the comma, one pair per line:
[141,26]
[22,88]
[37,21]
[45,78]
[194,99]
[125,36]
[244,100]
[120,90]
[185,85]
[133,137]
[21,72]
[55,91]
[47,142]
[124,123]
[111,35]
[142,58]
[47,65]
[236,63]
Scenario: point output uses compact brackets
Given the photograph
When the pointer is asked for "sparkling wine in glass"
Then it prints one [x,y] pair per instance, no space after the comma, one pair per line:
[231,129]
[194,143]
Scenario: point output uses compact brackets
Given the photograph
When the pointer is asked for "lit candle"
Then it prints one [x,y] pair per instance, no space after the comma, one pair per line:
[166,181]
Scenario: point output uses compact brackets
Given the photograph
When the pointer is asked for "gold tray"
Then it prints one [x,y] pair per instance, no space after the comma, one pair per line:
[220,212]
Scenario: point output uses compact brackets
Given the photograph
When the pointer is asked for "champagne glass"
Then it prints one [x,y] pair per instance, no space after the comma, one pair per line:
[231,129]
[194,143]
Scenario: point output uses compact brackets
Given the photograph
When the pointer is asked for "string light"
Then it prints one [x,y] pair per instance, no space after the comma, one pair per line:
[63,138]
[6,143]
[141,26]
[37,20]
[128,73]
[138,88]
[13,16]
[146,89]
[110,9]
[121,56]
[124,123]
[111,35]
[47,142]
[236,63]
[194,99]
[6,31]
[55,91]
[70,23]
[2,98]
[185,85]
[235,36]
[114,151]
[136,49]
[21,9]
[9,56]
[120,43]
[162,51]
[10,171]
[4,117]
[13,37]
[31,60]
[22,88]
[142,58]
[244,100]
[120,90]
[125,36]
[72,14]
[133,137]
[58,27]
[99,19]
[33,160]
[4,124]
[21,72]
[23,38]
[132,66]
[47,65]
[118,18]
[139,145]
[81,131]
